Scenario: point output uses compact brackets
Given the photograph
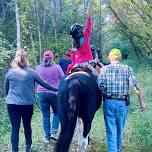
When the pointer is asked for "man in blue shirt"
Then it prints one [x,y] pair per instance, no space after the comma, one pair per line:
[65,61]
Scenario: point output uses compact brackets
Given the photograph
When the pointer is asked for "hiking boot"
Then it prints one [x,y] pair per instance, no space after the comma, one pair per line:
[46,139]
[54,137]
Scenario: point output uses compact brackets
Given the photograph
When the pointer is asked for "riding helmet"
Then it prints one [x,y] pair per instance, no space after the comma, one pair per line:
[76,31]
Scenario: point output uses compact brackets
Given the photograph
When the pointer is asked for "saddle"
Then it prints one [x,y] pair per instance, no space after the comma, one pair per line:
[84,69]
[96,65]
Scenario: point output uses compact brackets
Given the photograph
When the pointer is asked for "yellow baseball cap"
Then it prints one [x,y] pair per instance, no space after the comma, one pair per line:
[115,52]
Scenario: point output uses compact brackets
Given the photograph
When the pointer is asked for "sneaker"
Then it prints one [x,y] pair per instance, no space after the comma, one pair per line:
[46,139]
[54,137]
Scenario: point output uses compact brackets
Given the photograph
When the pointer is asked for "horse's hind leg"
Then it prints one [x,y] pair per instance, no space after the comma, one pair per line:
[67,129]
[66,134]
[80,132]
[84,130]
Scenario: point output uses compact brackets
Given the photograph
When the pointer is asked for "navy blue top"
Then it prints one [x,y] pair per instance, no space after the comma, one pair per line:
[64,64]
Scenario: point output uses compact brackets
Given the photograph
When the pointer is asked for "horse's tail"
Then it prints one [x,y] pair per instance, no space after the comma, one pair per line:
[69,122]
[73,98]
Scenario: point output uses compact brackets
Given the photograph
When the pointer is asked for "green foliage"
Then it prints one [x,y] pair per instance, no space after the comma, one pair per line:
[128,29]
[134,21]
[63,44]
[5,59]
[142,130]
[4,120]
[4,44]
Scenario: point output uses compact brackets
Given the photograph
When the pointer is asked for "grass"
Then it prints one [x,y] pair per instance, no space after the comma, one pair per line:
[138,132]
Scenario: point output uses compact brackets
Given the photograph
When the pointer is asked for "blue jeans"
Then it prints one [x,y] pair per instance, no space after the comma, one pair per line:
[47,100]
[115,115]
[16,113]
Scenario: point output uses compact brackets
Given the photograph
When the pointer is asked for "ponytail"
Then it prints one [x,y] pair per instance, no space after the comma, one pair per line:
[20,60]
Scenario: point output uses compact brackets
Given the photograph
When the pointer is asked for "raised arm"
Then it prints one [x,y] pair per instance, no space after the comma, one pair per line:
[88,24]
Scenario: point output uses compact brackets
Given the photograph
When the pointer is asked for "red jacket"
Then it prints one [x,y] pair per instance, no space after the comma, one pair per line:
[83,54]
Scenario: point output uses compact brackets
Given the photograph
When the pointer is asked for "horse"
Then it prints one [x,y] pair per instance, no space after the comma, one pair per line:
[78,100]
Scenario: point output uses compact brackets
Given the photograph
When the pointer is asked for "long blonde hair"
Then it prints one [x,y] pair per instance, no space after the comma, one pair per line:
[20,59]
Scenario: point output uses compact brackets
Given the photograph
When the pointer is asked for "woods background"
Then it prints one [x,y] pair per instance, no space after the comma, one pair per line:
[44,24]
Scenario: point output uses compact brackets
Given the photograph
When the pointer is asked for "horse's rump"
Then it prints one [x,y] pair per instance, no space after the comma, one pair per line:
[78,96]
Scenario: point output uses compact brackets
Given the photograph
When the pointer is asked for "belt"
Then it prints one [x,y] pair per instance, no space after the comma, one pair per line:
[123,99]
[115,98]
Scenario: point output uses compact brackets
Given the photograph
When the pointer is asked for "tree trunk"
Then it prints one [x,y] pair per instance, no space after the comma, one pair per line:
[32,43]
[61,4]
[54,19]
[39,32]
[44,19]
[100,27]
[18,26]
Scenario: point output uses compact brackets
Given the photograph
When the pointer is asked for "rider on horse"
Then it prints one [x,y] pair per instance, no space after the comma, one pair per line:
[81,53]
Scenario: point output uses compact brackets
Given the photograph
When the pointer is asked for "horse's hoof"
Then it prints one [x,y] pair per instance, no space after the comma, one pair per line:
[89,140]
[123,145]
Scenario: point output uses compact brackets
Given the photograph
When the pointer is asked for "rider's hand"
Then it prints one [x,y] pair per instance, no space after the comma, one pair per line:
[89,12]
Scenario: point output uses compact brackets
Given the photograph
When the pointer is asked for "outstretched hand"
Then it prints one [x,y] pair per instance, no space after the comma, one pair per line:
[89,12]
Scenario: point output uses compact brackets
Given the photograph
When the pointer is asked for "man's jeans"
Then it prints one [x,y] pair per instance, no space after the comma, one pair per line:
[115,115]
[47,100]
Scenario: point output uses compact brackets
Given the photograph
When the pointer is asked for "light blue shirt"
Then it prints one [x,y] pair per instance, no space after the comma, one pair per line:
[20,86]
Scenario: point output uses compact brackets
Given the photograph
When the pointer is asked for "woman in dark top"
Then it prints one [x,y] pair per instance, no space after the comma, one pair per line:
[20,88]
